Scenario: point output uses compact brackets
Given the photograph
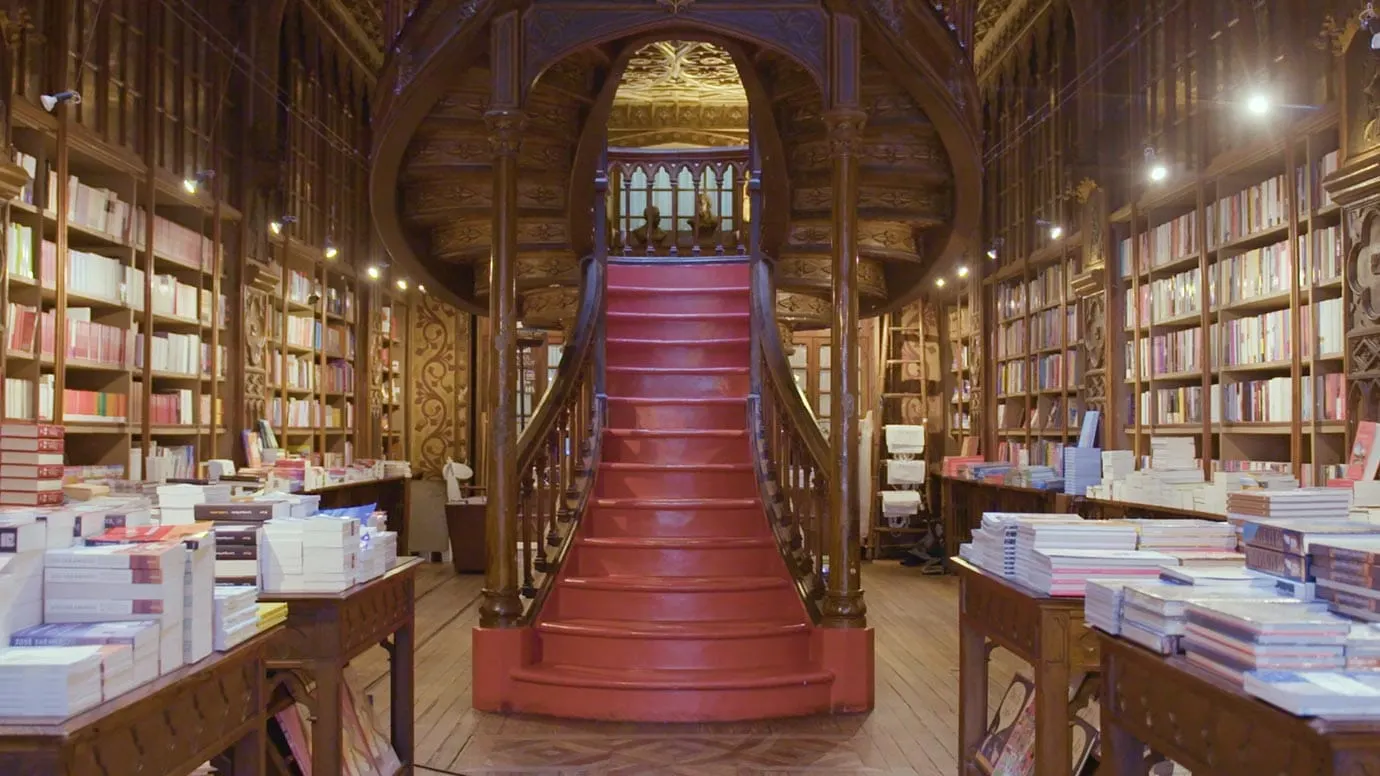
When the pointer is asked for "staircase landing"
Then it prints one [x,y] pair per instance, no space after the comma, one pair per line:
[674,603]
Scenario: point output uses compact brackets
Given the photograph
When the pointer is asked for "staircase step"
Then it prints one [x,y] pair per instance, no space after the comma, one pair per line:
[675,381]
[676,556]
[643,598]
[653,299]
[676,445]
[616,517]
[660,480]
[705,275]
[673,326]
[632,412]
[678,354]
[632,694]
[740,645]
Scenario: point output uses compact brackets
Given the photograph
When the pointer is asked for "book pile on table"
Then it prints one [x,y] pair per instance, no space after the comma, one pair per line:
[236,615]
[1231,638]
[378,552]
[120,582]
[1349,694]
[53,681]
[1103,602]
[140,636]
[23,542]
[271,614]
[1363,647]
[177,503]
[1346,571]
[237,554]
[1038,477]
[957,465]
[1082,469]
[1066,572]
[1187,536]
[993,548]
[1277,528]
[1154,615]
[309,555]
[31,464]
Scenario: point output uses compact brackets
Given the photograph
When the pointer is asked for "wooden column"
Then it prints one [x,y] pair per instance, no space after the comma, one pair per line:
[502,608]
[843,603]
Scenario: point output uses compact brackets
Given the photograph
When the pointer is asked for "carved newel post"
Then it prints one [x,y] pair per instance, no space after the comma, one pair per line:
[843,605]
[502,607]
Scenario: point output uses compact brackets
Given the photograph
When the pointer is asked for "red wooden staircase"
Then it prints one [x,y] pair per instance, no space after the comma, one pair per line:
[674,602]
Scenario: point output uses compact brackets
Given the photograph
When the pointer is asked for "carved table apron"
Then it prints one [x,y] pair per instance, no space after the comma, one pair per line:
[167,727]
[325,631]
[1210,727]
[1048,633]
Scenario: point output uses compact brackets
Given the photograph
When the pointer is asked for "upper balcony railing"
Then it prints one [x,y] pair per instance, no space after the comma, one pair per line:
[678,202]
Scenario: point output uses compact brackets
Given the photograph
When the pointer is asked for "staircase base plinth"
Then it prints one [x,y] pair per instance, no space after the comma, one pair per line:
[495,654]
[849,654]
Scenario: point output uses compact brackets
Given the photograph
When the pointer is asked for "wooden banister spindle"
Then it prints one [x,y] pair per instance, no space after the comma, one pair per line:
[528,516]
[555,490]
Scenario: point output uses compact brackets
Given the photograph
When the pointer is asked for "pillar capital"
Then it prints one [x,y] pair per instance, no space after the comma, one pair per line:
[505,127]
[845,126]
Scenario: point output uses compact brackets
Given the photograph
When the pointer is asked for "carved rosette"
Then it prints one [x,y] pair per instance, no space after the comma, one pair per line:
[505,131]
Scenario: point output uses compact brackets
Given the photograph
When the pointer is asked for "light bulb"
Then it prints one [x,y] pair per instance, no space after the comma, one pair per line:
[373,273]
[275,227]
[1258,104]
[1158,172]
[991,253]
[402,284]
[332,251]
[962,271]
[190,185]
[1055,232]
[939,282]
[421,289]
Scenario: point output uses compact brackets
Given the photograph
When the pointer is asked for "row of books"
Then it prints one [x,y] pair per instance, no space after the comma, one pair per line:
[1047,288]
[340,377]
[1011,377]
[340,342]
[296,413]
[340,302]
[1054,328]
[301,371]
[1011,339]
[301,287]
[1055,371]
[1010,300]
[1250,211]
[1268,400]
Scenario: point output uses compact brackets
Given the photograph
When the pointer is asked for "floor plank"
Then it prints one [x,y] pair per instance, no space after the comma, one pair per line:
[913,730]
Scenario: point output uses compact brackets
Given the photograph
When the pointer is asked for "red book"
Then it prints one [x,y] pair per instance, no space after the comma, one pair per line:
[31,498]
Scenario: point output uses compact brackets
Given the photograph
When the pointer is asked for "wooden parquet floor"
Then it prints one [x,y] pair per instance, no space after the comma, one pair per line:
[912,731]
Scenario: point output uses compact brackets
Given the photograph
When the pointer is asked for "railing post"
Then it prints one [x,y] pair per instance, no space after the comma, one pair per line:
[601,255]
[502,607]
[843,605]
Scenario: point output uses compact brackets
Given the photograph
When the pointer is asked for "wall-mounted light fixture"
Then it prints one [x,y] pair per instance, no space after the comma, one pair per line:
[51,101]
[276,225]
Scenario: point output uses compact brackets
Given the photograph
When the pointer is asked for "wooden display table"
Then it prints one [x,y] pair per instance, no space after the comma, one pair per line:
[963,501]
[325,631]
[1047,633]
[1211,727]
[1104,509]
[389,494]
[167,727]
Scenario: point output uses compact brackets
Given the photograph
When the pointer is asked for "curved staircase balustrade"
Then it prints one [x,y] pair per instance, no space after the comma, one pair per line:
[557,451]
[790,452]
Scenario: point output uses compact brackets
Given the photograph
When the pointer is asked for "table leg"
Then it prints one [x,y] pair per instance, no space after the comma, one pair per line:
[326,732]
[1053,747]
[248,754]
[401,675]
[1122,753]
[972,694]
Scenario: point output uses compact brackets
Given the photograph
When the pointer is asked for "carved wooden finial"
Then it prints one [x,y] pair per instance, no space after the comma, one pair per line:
[1084,190]
[675,6]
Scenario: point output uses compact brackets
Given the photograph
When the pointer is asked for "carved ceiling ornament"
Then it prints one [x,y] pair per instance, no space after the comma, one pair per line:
[681,71]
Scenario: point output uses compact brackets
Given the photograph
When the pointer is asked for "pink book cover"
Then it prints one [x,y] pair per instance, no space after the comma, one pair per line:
[1364,456]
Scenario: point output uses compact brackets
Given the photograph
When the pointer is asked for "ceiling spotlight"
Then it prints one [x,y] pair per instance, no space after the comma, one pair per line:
[1056,231]
[991,253]
[1258,104]
[1158,172]
[276,226]
[962,271]
[51,101]
[331,250]
[373,272]
[939,282]
[402,284]
[192,184]
[421,289]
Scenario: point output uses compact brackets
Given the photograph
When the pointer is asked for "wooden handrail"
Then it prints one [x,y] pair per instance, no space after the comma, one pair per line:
[776,364]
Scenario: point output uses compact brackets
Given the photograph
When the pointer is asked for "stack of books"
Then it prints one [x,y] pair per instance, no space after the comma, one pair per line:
[1346,571]
[1232,638]
[271,614]
[1104,600]
[994,543]
[1154,615]
[1066,572]
[1280,546]
[1038,477]
[312,555]
[23,541]
[1350,694]
[120,582]
[177,503]
[140,636]
[198,578]
[1186,536]
[1117,465]
[1363,647]
[1072,533]
[31,464]
[1082,469]
[237,554]
[49,681]
[237,615]
[1175,453]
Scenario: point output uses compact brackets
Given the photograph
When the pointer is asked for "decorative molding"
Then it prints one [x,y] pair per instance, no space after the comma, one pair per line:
[681,71]
[438,375]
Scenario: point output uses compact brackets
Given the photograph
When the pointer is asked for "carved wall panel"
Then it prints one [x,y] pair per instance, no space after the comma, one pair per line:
[550,308]
[255,365]
[803,311]
[1363,330]
[797,272]
[439,377]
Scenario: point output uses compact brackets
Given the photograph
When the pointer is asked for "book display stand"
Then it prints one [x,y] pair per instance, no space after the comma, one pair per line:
[325,631]
[218,706]
[1045,632]
[1206,725]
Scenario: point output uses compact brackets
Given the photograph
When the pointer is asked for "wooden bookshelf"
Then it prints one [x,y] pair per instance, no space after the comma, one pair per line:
[388,388]
[1226,281]
[961,366]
